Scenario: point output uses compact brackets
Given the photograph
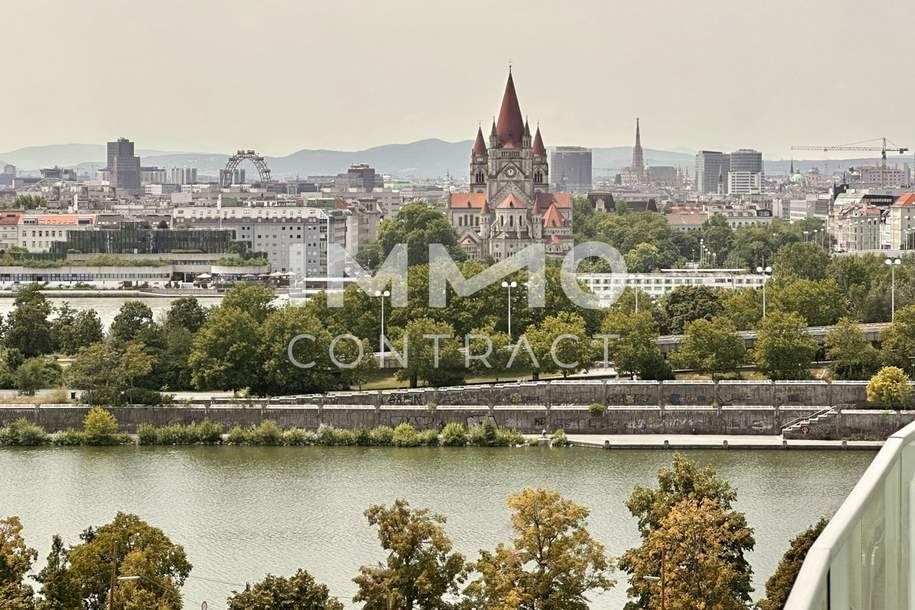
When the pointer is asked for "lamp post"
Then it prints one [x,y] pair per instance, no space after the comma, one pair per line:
[767,271]
[508,286]
[893,263]
[382,295]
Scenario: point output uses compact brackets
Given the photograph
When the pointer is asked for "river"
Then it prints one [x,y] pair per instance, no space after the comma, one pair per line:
[242,512]
[108,307]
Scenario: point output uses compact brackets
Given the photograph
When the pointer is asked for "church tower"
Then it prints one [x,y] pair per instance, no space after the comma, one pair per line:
[510,148]
[479,164]
[638,159]
[541,170]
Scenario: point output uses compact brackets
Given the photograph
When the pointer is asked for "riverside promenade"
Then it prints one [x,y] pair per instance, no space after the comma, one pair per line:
[711,441]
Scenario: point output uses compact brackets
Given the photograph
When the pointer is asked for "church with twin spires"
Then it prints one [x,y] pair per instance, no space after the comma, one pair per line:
[509,205]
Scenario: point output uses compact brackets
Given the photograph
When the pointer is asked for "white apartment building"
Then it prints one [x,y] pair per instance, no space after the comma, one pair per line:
[36,232]
[902,222]
[606,285]
[744,183]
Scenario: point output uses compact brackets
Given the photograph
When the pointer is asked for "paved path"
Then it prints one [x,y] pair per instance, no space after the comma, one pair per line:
[710,441]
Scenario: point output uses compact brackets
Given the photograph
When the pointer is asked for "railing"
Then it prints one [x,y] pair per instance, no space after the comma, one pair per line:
[863,560]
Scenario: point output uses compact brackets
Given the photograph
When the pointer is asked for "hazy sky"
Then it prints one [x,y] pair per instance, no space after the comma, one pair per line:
[282,75]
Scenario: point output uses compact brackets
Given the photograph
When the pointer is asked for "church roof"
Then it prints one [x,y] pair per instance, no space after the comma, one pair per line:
[511,203]
[538,144]
[479,147]
[553,219]
[467,200]
[542,201]
[510,126]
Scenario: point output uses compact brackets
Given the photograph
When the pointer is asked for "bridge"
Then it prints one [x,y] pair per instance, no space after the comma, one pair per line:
[872,332]
[865,558]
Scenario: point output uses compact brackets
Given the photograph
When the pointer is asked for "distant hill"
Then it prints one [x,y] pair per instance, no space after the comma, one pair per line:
[423,159]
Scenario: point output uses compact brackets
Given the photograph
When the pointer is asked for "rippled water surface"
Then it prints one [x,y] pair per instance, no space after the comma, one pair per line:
[242,512]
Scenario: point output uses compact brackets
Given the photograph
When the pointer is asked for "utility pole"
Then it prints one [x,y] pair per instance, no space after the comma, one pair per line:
[114,575]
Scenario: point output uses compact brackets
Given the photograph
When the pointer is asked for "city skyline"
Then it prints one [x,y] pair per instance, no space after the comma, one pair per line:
[204,80]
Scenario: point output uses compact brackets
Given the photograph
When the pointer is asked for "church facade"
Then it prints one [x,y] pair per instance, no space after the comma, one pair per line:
[509,205]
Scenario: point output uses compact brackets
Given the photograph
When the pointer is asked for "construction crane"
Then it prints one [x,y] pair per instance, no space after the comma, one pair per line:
[858,146]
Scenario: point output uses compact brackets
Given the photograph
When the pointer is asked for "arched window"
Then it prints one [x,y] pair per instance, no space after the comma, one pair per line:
[538,177]
[479,179]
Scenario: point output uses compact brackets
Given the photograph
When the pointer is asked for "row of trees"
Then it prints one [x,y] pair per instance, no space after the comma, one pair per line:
[690,534]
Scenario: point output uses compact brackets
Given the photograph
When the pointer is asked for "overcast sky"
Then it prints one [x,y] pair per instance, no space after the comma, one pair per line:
[282,75]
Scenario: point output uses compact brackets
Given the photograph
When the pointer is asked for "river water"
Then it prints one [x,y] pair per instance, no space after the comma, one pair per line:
[242,512]
[108,307]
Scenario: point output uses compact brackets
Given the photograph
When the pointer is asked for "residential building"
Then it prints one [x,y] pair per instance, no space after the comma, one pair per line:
[902,222]
[183,175]
[607,286]
[9,230]
[152,175]
[509,205]
[38,232]
[571,169]
[663,175]
[123,166]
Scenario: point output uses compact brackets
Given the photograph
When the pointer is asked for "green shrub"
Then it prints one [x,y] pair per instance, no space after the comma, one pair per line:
[99,426]
[148,434]
[454,435]
[558,439]
[596,409]
[344,438]
[510,438]
[23,433]
[890,387]
[486,434]
[298,437]
[428,438]
[362,437]
[238,436]
[69,438]
[405,436]
[267,433]
[382,436]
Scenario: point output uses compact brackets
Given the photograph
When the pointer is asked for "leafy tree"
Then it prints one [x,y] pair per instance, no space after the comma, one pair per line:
[499,346]
[689,550]
[851,354]
[298,592]
[254,300]
[37,373]
[171,367]
[95,369]
[625,231]
[779,585]
[635,348]
[27,326]
[743,307]
[28,201]
[72,330]
[865,282]
[58,591]
[684,304]
[783,349]
[133,322]
[890,386]
[15,559]
[186,313]
[136,549]
[718,236]
[134,363]
[806,261]
[560,343]
[898,347]
[100,424]
[422,362]
[552,563]
[685,481]
[421,569]
[417,225]
[819,303]
[711,346]
[646,257]
[226,352]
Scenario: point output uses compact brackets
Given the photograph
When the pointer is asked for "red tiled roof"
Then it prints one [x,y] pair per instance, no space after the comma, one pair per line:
[510,126]
[538,144]
[479,147]
[467,200]
[553,219]
[61,219]
[906,199]
[542,201]
[11,218]
[511,202]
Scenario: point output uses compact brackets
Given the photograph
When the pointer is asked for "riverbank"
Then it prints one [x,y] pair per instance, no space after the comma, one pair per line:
[680,442]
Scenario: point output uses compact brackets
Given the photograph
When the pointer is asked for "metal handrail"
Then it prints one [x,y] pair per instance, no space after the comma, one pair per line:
[813,578]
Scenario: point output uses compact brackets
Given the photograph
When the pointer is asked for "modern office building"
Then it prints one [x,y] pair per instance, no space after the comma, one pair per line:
[123,166]
[745,172]
[607,286]
[152,175]
[359,177]
[712,169]
[571,169]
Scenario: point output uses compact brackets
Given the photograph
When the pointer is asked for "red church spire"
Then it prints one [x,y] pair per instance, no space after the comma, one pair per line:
[510,126]
[479,147]
[538,143]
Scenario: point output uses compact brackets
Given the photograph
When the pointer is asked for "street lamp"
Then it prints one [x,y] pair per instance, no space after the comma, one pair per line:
[893,263]
[767,271]
[382,295]
[508,286]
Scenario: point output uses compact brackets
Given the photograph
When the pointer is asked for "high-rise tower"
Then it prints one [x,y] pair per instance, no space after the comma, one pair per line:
[638,159]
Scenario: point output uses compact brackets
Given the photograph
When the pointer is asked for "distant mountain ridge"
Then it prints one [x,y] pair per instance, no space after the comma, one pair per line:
[430,158]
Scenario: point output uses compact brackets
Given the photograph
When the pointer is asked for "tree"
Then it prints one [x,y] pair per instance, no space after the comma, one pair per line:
[806,261]
[644,258]
[634,349]
[36,373]
[783,349]
[552,563]
[779,585]
[95,369]
[820,303]
[134,363]
[718,236]
[226,352]
[685,481]
[898,348]
[254,300]
[890,386]
[135,548]
[15,562]
[711,346]
[684,304]
[743,307]
[99,424]
[851,354]
[420,569]
[689,551]
[186,313]
[499,346]
[72,330]
[133,322]
[298,592]
[560,343]
[58,591]
[417,225]
[28,201]
[27,327]
[425,363]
